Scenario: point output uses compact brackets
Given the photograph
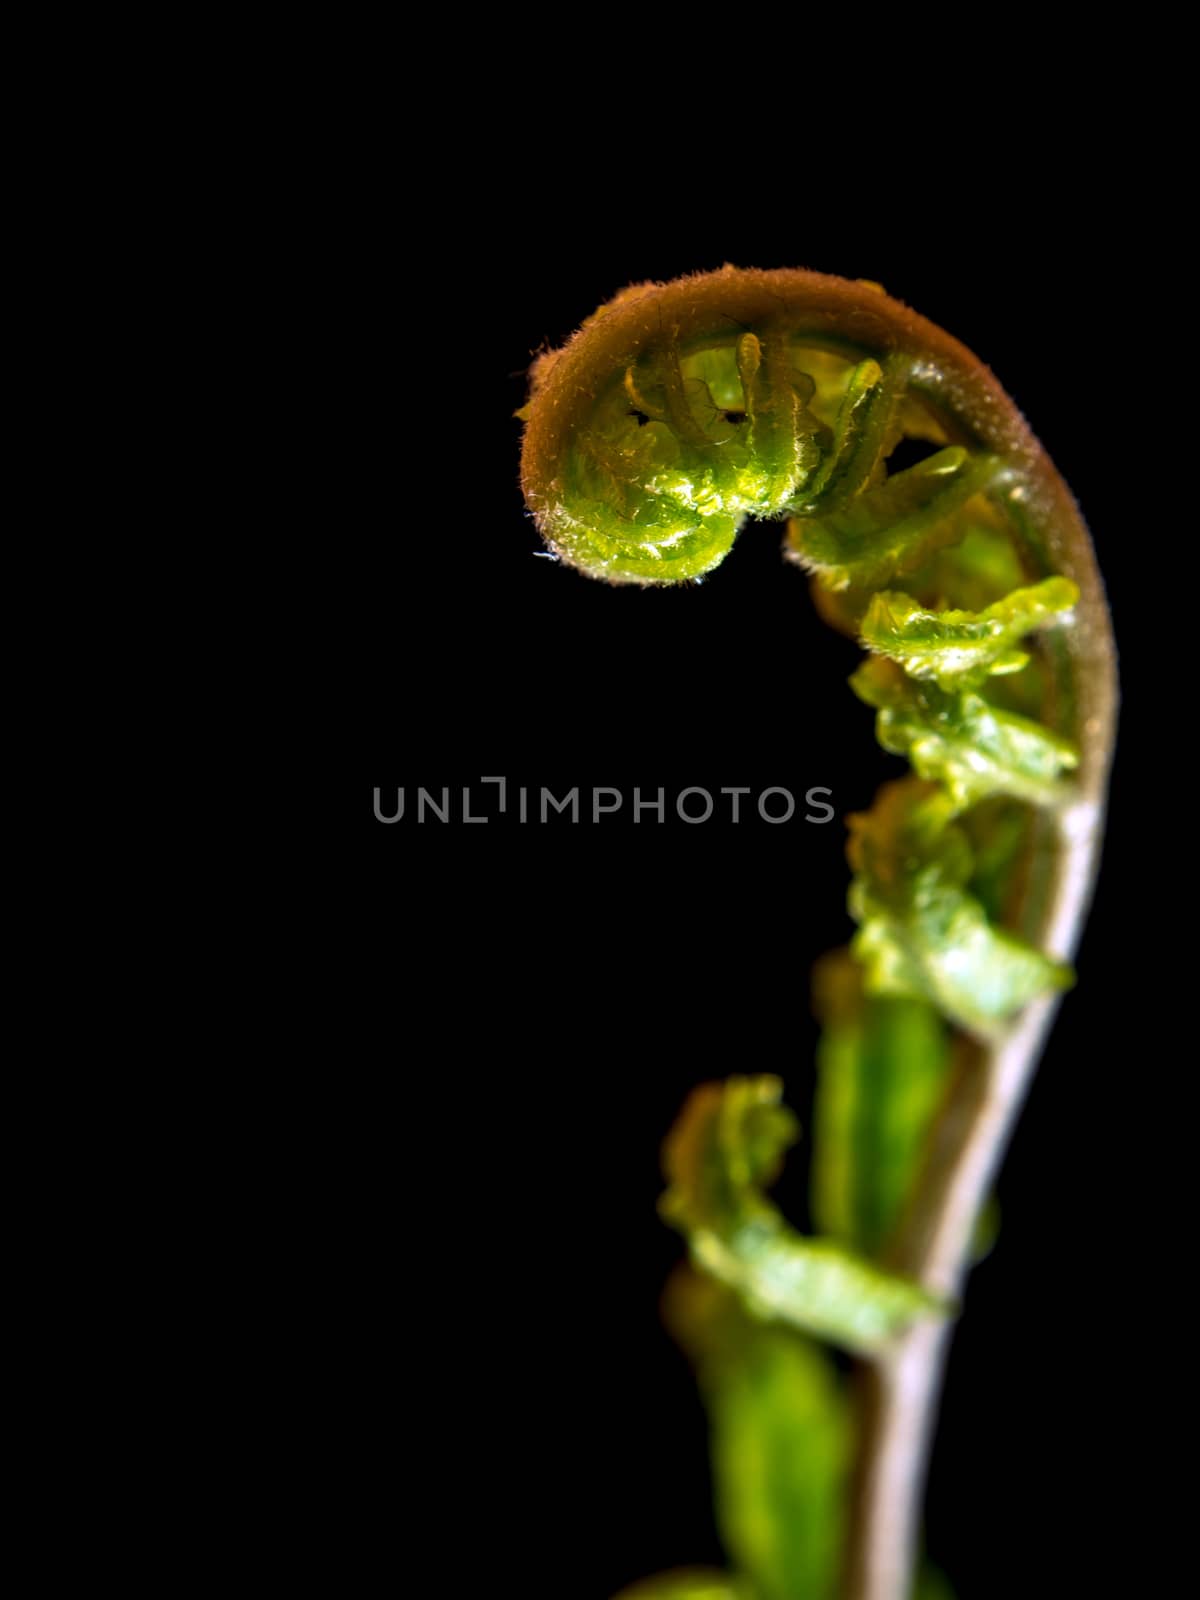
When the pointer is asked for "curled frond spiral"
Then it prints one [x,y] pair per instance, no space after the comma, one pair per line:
[937,532]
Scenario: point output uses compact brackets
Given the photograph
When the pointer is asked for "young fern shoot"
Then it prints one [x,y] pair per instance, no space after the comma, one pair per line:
[676,413]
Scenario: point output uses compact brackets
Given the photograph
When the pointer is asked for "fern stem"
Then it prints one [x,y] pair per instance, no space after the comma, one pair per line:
[898,1395]
[899,1391]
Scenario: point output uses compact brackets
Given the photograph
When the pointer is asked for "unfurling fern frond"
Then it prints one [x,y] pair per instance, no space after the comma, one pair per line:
[675,415]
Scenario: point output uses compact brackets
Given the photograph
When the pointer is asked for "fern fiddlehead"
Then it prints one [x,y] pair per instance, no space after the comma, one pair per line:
[677,413]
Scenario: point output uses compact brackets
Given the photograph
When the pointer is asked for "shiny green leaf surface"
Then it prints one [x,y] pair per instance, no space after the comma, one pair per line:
[881,1073]
[960,649]
[726,1146]
[892,528]
[962,741]
[921,935]
[863,426]
[782,1441]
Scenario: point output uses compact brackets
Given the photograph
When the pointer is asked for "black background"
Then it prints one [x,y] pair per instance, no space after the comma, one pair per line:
[519,1012]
